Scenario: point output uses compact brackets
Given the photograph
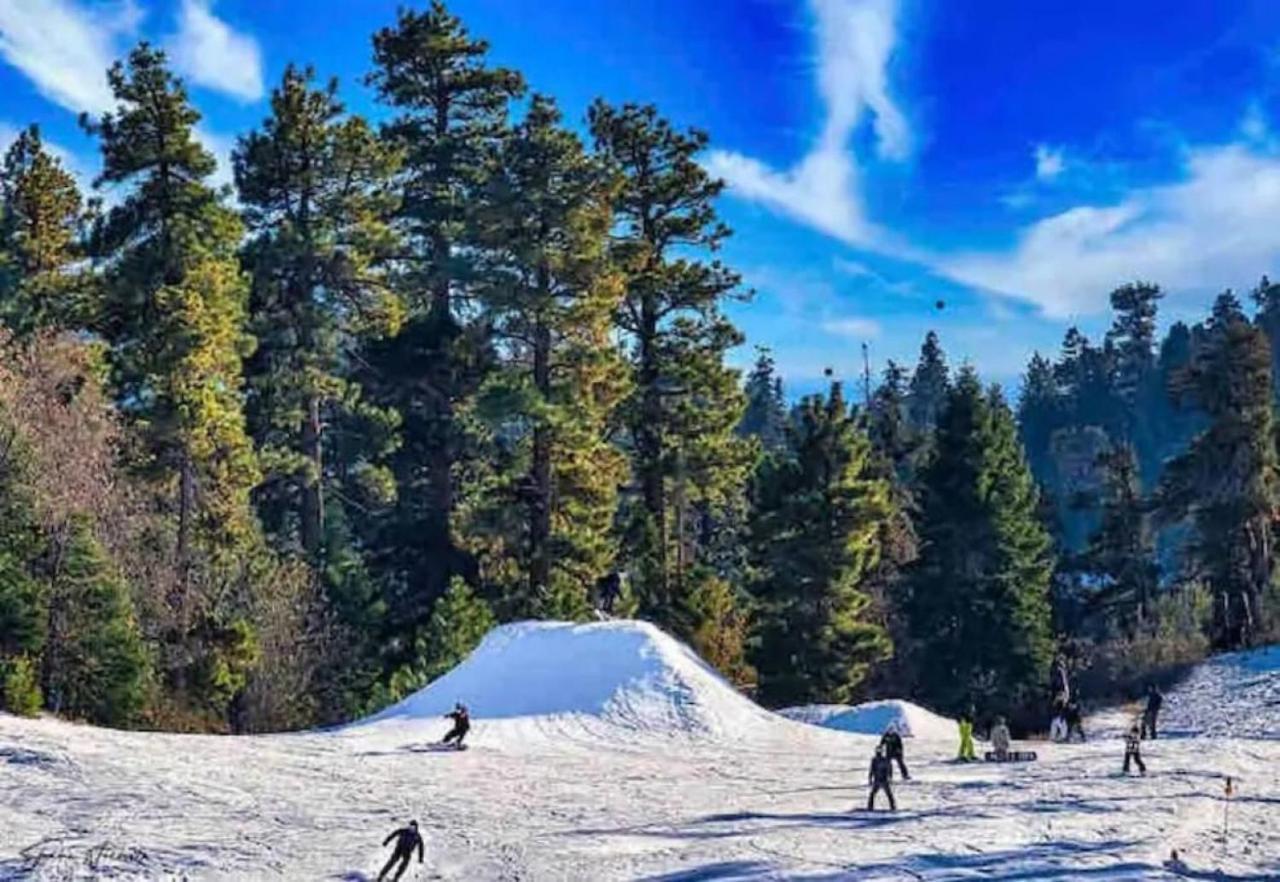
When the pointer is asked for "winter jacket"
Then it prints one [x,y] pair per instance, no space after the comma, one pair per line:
[1000,738]
[892,743]
[407,839]
[1154,701]
[881,770]
[1133,743]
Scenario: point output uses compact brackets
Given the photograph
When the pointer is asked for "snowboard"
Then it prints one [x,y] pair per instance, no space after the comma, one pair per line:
[1013,756]
[441,747]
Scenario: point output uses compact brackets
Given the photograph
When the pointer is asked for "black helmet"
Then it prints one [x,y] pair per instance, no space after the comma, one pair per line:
[413,824]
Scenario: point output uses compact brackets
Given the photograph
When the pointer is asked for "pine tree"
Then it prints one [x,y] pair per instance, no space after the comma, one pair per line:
[1121,554]
[458,623]
[979,608]
[1227,484]
[42,219]
[816,536]
[1040,415]
[451,117]
[889,427]
[96,665]
[680,420]
[765,416]
[173,312]
[721,628]
[929,384]
[315,185]
[550,295]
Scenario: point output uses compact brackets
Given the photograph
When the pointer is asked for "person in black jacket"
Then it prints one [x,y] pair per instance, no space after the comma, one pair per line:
[461,724]
[407,839]
[1133,751]
[880,778]
[891,741]
[1154,702]
[1075,720]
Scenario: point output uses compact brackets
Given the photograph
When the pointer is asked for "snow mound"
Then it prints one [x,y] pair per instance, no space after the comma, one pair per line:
[1236,695]
[874,717]
[563,677]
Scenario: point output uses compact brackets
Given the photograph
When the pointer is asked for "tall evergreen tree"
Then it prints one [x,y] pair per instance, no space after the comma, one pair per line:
[1121,553]
[550,296]
[819,509]
[765,416]
[980,589]
[1227,484]
[42,220]
[929,384]
[680,420]
[314,184]
[174,314]
[451,115]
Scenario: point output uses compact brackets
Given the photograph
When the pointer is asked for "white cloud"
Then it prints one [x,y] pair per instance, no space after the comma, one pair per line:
[1212,229]
[853,327]
[209,52]
[1049,162]
[856,40]
[65,47]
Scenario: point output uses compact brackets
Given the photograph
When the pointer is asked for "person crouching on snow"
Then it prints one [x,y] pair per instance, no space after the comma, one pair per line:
[461,724]
[1133,751]
[880,778]
[891,741]
[1000,738]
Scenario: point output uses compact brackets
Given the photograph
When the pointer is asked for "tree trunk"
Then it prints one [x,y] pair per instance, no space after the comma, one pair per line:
[648,439]
[313,481]
[540,507]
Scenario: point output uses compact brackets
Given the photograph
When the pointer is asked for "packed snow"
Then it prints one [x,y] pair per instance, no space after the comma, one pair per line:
[609,751]
[875,717]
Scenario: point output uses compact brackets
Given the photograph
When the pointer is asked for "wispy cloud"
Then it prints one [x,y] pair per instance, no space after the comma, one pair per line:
[65,47]
[1050,162]
[210,53]
[855,43]
[852,327]
[1212,228]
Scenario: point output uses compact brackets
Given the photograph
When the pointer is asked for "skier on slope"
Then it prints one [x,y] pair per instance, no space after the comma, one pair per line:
[1154,702]
[891,741]
[967,754]
[1000,738]
[880,778]
[461,724]
[1133,751]
[407,839]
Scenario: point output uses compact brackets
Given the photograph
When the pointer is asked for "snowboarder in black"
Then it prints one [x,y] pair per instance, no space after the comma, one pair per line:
[1133,751]
[880,779]
[461,724]
[1154,701]
[608,590]
[891,741]
[407,839]
[1075,723]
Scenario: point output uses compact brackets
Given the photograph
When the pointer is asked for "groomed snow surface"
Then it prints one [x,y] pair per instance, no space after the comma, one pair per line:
[610,751]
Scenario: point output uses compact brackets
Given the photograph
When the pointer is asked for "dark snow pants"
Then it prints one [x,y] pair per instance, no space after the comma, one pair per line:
[397,855]
[1149,723]
[458,732]
[1137,758]
[902,766]
[888,791]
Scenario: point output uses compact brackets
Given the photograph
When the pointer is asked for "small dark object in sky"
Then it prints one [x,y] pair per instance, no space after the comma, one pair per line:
[940,304]
[826,372]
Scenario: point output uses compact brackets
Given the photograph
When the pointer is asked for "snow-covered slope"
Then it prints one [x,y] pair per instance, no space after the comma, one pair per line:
[875,717]
[1231,695]
[548,677]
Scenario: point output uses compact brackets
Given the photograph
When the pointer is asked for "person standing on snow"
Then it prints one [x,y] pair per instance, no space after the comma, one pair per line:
[967,754]
[1133,751]
[891,741]
[1058,730]
[1154,702]
[461,724]
[407,839]
[1000,738]
[880,778]
[1059,682]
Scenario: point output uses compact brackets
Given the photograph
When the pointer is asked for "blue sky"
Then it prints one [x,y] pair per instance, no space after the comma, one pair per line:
[1016,159]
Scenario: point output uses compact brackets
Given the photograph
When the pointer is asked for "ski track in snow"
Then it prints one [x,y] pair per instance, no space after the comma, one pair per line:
[606,793]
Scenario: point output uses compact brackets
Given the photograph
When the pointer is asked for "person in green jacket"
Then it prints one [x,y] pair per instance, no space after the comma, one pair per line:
[967,754]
